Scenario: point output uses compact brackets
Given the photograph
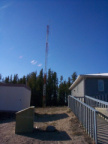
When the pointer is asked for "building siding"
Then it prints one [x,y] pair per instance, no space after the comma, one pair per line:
[91,86]
[78,90]
[14,98]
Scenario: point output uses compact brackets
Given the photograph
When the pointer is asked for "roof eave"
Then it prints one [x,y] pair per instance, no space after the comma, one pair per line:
[80,77]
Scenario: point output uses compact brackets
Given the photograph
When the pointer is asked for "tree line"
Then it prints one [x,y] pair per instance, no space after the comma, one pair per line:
[57,90]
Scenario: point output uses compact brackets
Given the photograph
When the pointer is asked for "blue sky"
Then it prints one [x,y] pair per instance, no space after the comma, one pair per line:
[78,38]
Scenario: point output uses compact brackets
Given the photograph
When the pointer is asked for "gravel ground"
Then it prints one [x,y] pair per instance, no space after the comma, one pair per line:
[67,128]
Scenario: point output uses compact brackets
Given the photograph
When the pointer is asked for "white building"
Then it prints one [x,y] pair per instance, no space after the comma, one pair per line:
[94,85]
[14,97]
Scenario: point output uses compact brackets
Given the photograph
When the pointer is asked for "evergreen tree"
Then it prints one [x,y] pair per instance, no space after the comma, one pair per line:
[74,76]
[20,81]
[24,80]
[68,85]
[31,82]
[6,79]
[61,79]
[15,79]
[61,92]
[56,94]
[39,88]
[10,79]
[49,88]
[0,77]
[55,88]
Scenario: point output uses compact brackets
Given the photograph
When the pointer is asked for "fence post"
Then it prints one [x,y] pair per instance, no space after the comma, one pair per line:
[95,127]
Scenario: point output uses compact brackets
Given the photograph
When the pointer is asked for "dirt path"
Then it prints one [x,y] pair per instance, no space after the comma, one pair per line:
[68,129]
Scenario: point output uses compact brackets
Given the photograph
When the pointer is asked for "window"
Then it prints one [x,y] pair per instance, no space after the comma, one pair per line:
[100,85]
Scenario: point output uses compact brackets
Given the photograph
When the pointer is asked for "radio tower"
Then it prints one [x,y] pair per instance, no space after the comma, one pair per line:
[46,55]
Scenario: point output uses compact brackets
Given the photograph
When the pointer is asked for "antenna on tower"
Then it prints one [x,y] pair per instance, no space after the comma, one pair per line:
[46,55]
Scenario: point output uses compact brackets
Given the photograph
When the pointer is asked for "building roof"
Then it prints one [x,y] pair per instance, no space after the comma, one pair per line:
[99,74]
[80,77]
[15,85]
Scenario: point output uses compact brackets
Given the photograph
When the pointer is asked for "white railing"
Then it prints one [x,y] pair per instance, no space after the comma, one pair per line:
[95,102]
[81,98]
[85,114]
[103,97]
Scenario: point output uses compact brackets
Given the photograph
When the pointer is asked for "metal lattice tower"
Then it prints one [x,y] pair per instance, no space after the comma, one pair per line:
[46,56]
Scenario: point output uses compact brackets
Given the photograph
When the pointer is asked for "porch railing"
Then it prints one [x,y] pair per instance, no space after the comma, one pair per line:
[85,114]
[103,97]
[81,98]
[95,102]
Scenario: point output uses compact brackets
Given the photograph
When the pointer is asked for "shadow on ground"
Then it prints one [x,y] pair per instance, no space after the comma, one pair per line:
[102,130]
[7,117]
[48,136]
[49,117]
